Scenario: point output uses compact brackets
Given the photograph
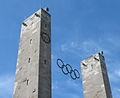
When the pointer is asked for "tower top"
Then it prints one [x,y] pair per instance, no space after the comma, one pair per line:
[38,13]
[99,55]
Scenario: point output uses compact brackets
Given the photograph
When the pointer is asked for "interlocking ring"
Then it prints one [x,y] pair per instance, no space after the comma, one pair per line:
[67,69]
[45,37]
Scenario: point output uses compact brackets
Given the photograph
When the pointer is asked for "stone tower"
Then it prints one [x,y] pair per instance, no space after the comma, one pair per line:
[95,78]
[33,69]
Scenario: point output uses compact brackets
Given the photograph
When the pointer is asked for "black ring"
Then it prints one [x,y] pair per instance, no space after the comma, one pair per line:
[63,70]
[74,78]
[77,76]
[69,71]
[62,66]
[45,37]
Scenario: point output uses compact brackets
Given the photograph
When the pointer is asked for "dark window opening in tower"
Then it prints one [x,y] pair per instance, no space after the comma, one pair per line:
[29,60]
[45,61]
[30,41]
[27,81]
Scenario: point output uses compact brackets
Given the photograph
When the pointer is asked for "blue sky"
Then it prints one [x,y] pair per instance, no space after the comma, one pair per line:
[80,28]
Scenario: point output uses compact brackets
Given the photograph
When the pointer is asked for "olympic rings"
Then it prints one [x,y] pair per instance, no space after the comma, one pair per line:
[45,37]
[67,69]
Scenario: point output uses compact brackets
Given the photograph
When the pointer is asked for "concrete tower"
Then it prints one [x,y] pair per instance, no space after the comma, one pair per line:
[33,69]
[95,77]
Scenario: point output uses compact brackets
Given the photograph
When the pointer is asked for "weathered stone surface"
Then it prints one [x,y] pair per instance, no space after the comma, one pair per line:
[95,77]
[33,69]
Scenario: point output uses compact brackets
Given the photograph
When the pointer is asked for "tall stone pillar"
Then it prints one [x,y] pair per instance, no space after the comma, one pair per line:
[33,69]
[95,78]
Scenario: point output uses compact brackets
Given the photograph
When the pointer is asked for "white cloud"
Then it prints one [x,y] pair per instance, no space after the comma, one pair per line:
[116,92]
[72,84]
[64,47]
[114,41]
[55,86]
[67,46]
[115,76]
[114,71]
[91,46]
[62,88]
[73,44]
[75,96]
[117,72]
[6,86]
[88,47]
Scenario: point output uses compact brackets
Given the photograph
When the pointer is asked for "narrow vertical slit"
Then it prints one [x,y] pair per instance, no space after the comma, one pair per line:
[30,41]
[27,81]
[45,61]
[29,60]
